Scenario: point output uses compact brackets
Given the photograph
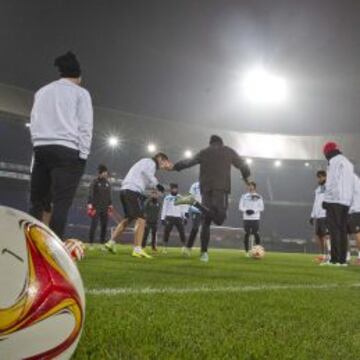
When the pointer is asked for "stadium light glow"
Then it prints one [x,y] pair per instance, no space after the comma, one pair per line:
[307,164]
[188,154]
[277,163]
[113,141]
[261,87]
[151,148]
[249,161]
[27,124]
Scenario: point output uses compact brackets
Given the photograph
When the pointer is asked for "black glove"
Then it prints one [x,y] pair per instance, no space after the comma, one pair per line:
[311,221]
[324,205]
[163,222]
[160,188]
[250,212]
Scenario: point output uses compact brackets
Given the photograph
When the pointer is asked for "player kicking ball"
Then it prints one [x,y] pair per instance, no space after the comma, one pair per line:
[215,163]
[132,195]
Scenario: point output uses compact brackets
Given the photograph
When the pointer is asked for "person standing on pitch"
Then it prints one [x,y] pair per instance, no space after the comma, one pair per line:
[251,205]
[215,183]
[132,195]
[99,203]
[354,216]
[172,215]
[152,214]
[195,216]
[318,218]
[339,188]
[61,131]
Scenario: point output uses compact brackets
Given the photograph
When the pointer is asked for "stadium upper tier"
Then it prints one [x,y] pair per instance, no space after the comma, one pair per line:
[16,102]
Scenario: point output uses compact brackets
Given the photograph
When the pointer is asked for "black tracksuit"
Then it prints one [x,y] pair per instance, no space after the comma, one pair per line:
[55,176]
[152,209]
[100,199]
[215,183]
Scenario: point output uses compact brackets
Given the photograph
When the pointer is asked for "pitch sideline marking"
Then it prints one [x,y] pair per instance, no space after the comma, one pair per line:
[241,289]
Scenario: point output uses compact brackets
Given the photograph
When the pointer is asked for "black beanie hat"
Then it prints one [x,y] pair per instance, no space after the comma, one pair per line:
[68,65]
[102,168]
[216,139]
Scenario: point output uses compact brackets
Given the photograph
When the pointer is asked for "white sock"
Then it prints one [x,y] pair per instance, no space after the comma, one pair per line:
[111,242]
[137,249]
[359,254]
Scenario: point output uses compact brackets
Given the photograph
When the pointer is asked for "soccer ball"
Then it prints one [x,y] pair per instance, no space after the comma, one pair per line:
[42,301]
[75,248]
[257,252]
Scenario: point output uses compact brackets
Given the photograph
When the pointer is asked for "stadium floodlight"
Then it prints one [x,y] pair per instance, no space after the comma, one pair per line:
[261,87]
[113,141]
[188,154]
[249,161]
[277,163]
[151,148]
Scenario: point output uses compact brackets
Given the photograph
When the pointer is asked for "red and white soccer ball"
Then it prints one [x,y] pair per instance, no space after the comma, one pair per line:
[257,252]
[75,248]
[42,299]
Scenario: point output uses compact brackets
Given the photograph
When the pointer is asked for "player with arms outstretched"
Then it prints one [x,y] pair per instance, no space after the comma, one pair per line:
[215,163]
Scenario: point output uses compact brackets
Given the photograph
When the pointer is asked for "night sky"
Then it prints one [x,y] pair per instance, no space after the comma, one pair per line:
[182,60]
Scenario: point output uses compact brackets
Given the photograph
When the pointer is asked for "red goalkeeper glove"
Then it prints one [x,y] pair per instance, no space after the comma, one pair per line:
[110,210]
[91,211]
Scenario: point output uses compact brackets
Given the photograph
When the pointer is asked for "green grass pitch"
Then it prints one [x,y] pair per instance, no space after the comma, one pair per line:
[170,307]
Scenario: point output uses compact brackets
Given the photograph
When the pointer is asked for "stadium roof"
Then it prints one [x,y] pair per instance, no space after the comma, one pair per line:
[135,130]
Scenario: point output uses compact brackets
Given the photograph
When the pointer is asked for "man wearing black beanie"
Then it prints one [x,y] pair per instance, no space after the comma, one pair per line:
[215,184]
[61,132]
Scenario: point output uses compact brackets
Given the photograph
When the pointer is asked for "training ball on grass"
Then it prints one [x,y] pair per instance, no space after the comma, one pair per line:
[42,301]
[257,252]
[75,248]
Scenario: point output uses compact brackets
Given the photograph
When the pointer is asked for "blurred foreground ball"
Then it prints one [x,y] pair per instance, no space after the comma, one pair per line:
[42,301]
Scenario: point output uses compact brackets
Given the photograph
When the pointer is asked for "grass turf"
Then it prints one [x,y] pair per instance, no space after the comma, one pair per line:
[246,318]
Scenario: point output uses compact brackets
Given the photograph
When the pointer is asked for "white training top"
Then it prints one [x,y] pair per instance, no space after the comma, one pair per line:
[196,193]
[318,211]
[355,204]
[170,209]
[339,185]
[62,114]
[251,201]
[141,176]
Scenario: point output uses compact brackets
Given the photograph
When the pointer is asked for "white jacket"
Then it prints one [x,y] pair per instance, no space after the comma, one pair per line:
[318,211]
[62,114]
[251,201]
[339,181]
[169,209]
[141,176]
[355,204]
[196,192]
